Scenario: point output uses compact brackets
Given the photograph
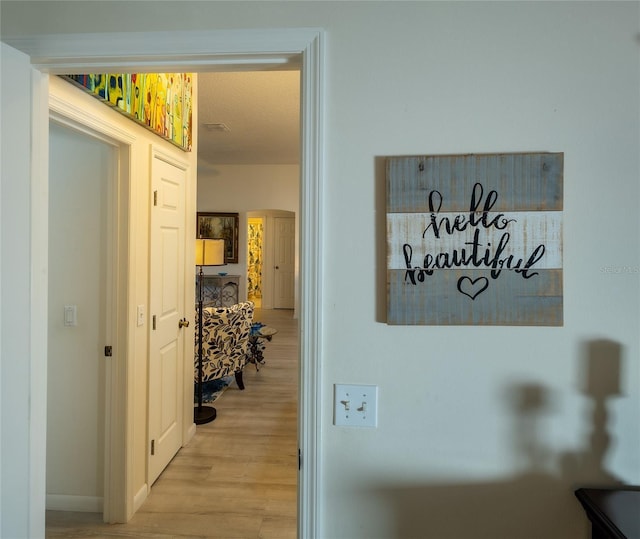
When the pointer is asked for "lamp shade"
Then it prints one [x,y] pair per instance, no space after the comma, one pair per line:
[209,252]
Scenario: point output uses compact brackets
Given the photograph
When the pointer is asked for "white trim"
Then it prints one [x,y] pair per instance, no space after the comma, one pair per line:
[193,50]
[190,430]
[74,53]
[39,285]
[82,504]
[162,155]
[79,119]
[311,256]
[111,422]
[140,497]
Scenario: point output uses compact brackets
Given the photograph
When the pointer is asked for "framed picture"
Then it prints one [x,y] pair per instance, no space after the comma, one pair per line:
[220,226]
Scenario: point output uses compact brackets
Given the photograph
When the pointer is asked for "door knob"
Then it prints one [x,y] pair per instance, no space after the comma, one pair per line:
[277,267]
[184,323]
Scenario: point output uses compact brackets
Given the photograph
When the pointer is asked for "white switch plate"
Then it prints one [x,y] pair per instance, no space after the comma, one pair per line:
[70,315]
[355,405]
[140,314]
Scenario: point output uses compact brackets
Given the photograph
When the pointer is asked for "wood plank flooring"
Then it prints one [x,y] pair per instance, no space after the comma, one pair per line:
[237,477]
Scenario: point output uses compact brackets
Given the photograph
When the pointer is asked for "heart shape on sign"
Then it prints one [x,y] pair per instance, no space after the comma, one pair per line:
[472,288]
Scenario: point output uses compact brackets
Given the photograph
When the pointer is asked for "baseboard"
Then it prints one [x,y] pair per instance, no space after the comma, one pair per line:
[82,504]
[191,432]
[140,497]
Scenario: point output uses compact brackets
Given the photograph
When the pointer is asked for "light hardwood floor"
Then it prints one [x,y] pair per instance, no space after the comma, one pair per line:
[237,477]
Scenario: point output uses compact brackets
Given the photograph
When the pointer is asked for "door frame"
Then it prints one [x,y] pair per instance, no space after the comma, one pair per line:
[117,247]
[199,51]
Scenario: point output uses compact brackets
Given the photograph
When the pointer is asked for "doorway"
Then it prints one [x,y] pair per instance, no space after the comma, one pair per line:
[272,260]
[213,49]
[93,251]
[79,314]
[91,111]
[255,259]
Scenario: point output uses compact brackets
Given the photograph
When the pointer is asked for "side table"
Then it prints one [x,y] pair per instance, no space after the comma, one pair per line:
[259,334]
[614,513]
[220,290]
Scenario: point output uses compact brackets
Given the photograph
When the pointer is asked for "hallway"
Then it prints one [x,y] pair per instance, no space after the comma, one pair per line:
[237,477]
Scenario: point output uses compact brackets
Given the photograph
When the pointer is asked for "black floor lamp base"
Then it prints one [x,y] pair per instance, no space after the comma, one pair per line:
[204,414]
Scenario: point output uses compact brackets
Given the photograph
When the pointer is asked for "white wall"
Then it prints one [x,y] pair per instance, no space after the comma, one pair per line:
[21,413]
[450,456]
[248,188]
[80,174]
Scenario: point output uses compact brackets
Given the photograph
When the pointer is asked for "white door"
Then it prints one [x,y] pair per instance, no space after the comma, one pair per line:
[284,262]
[166,309]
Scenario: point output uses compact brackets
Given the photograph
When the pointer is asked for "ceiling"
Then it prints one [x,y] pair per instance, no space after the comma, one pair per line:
[248,117]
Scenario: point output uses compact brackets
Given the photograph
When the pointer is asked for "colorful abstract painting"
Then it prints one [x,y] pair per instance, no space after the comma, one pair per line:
[162,102]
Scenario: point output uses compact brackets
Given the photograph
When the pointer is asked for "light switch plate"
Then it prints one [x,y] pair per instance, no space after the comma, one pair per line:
[355,405]
[70,315]
[140,313]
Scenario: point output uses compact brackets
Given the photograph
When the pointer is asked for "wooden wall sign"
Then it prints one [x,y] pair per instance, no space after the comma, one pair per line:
[475,239]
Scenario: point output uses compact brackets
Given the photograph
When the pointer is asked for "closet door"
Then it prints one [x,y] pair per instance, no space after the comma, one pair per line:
[167,310]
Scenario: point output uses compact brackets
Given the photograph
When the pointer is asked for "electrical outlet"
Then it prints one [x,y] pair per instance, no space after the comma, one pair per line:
[355,405]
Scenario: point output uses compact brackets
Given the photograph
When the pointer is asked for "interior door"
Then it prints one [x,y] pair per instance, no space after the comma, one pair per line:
[166,308]
[284,262]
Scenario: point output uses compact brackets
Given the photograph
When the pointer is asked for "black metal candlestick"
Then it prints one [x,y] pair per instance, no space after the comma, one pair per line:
[201,414]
